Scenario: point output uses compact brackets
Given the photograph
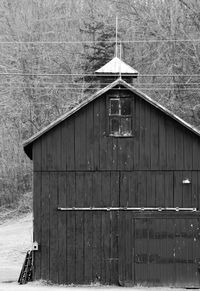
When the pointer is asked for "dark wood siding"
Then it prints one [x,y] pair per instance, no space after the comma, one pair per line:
[77,164]
[82,143]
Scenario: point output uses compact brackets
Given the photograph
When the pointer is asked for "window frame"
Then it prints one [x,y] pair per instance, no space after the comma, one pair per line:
[119,116]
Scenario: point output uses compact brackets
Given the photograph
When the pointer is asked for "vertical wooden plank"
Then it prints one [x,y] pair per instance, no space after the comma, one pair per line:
[142,191]
[129,245]
[169,188]
[195,153]
[68,144]
[97,226]
[190,228]
[53,244]
[71,229]
[37,221]
[153,250]
[194,189]
[195,253]
[101,127]
[170,143]
[122,152]
[136,147]
[162,142]
[160,189]
[133,195]
[79,225]
[79,247]
[96,187]
[187,189]
[147,136]
[114,221]
[114,189]
[80,140]
[44,159]
[188,148]
[178,193]
[141,251]
[97,140]
[90,137]
[88,189]
[62,230]
[124,189]
[170,252]
[162,263]
[179,146]
[88,222]
[45,203]
[122,248]
[80,188]
[88,244]
[113,147]
[114,247]
[151,189]
[37,155]
[53,149]
[154,140]
[181,252]
[105,245]
[105,189]
[97,247]
[142,135]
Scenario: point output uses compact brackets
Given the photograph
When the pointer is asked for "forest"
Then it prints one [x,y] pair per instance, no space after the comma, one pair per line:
[49,50]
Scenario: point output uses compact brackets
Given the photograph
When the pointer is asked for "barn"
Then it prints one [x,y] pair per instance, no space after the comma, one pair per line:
[116,190]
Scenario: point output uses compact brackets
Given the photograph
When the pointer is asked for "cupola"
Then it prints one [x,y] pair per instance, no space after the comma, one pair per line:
[115,69]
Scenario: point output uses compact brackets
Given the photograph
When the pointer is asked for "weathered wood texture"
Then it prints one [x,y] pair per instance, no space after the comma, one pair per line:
[84,247]
[77,164]
[159,189]
[165,251]
[82,142]
[76,247]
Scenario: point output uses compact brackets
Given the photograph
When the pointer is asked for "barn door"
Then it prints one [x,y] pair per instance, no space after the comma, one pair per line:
[159,251]
[126,249]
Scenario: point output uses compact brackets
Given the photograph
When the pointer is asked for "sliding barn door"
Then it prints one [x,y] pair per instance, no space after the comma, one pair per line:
[159,251]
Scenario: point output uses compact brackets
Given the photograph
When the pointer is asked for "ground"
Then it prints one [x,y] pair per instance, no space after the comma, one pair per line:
[15,240]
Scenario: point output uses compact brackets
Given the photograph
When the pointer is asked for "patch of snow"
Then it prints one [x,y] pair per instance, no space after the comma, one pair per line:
[15,241]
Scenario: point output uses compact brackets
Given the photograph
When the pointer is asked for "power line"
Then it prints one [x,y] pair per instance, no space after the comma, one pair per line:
[94,75]
[97,88]
[42,85]
[53,84]
[101,41]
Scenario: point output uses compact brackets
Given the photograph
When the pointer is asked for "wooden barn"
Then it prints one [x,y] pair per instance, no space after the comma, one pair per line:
[117,191]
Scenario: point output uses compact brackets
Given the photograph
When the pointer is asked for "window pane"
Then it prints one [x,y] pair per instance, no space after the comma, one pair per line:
[125,106]
[114,125]
[126,126]
[114,106]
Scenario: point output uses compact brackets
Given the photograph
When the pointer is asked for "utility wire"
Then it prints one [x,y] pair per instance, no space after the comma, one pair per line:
[90,75]
[42,85]
[97,88]
[100,41]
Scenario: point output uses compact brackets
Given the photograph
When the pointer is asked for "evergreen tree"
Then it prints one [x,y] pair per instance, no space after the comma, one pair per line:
[101,49]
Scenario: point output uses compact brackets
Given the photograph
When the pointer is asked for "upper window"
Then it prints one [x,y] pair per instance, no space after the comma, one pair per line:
[120,116]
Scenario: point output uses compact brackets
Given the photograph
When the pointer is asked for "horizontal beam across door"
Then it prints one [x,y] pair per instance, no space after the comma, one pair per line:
[126,209]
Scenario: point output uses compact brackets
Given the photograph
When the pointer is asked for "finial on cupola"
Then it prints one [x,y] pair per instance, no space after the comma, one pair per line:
[116,68]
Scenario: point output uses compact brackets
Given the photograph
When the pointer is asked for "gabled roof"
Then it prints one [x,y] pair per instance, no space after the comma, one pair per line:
[116,67]
[28,143]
